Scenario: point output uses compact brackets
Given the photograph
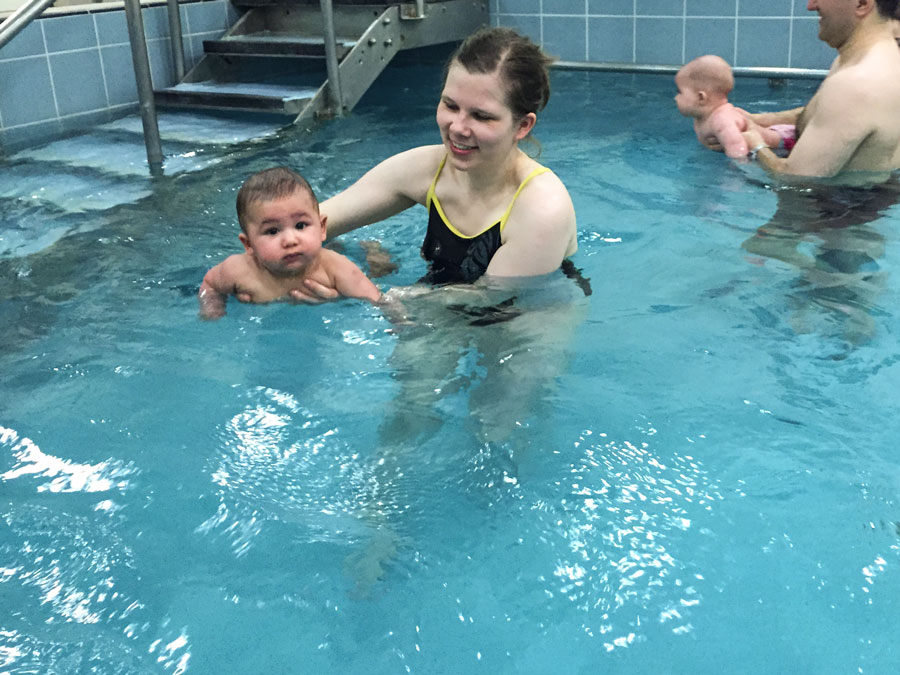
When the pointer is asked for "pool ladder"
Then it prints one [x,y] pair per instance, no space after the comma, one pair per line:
[270,60]
[253,67]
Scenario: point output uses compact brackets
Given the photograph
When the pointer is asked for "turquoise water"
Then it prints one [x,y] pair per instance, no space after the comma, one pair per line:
[702,477]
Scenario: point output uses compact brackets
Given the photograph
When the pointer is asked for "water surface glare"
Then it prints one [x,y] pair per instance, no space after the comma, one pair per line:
[694,469]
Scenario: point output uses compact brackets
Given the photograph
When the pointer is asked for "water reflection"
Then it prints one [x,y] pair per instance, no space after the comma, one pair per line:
[69,576]
[830,235]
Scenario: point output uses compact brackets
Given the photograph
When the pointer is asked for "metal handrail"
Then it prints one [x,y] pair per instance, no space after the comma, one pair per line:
[175,38]
[32,9]
[331,62]
[19,19]
[144,80]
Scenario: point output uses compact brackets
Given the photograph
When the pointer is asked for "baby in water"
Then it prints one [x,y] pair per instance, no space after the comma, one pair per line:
[703,88]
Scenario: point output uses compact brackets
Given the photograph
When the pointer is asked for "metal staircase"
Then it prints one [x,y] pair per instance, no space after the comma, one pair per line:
[273,60]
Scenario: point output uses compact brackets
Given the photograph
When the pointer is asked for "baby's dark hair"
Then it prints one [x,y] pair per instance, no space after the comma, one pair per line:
[269,184]
[521,64]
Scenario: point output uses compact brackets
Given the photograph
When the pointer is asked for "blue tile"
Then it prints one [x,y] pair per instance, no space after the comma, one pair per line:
[658,41]
[807,50]
[112,28]
[800,9]
[19,138]
[660,8]
[206,17]
[64,33]
[611,7]
[519,6]
[30,42]
[529,26]
[765,8]
[711,8]
[162,66]
[572,7]
[611,39]
[709,36]
[86,120]
[119,71]
[762,43]
[156,23]
[190,59]
[564,37]
[78,81]
[198,53]
[26,95]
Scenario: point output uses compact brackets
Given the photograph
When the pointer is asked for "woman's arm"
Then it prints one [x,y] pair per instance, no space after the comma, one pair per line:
[540,231]
[390,187]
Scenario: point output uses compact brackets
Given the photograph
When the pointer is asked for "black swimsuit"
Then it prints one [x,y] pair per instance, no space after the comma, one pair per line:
[452,256]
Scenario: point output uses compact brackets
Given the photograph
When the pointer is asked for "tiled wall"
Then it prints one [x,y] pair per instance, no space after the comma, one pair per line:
[746,33]
[68,72]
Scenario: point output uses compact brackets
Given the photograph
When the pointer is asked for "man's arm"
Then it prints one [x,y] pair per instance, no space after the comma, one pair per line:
[767,119]
[832,134]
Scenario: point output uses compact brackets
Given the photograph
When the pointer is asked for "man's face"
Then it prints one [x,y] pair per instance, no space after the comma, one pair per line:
[836,20]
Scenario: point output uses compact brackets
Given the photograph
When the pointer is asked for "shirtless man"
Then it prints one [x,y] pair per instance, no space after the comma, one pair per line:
[852,123]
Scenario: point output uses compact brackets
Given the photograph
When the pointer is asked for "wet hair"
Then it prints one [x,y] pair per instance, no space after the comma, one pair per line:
[888,8]
[267,185]
[709,73]
[522,66]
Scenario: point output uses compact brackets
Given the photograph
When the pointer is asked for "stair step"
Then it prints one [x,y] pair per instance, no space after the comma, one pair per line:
[204,129]
[270,43]
[114,155]
[252,97]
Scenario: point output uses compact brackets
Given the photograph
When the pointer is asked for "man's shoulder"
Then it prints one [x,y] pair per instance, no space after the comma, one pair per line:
[875,72]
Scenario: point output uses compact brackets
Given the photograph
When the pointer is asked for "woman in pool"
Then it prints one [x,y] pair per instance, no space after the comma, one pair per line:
[492,209]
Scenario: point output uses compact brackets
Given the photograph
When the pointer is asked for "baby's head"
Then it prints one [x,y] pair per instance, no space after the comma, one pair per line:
[280,219]
[702,84]
[270,185]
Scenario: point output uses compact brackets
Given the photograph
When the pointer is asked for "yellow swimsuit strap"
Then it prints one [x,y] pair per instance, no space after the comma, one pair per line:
[432,198]
[537,172]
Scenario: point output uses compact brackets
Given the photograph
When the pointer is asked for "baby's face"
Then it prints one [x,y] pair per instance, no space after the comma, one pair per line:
[285,235]
[687,100]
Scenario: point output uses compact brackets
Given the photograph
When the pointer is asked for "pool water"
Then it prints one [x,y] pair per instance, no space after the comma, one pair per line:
[702,475]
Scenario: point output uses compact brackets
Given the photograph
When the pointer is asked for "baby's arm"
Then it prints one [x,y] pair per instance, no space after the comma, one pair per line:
[349,280]
[728,128]
[214,292]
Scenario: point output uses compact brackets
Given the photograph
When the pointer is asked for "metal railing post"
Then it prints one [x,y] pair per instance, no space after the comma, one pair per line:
[331,62]
[23,16]
[144,85]
[175,37]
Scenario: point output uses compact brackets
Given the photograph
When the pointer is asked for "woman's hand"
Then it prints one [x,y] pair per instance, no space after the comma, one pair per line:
[313,293]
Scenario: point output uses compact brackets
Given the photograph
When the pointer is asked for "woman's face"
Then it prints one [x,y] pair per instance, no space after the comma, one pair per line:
[477,127]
